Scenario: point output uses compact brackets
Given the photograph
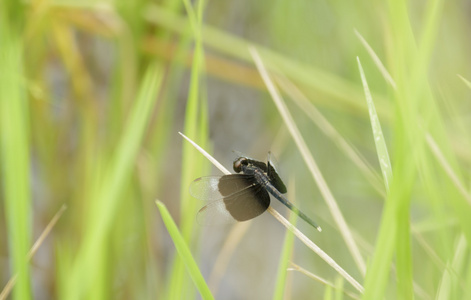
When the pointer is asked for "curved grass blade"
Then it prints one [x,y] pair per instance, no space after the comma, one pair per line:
[376,277]
[310,244]
[308,158]
[380,143]
[184,252]
[286,253]
[107,199]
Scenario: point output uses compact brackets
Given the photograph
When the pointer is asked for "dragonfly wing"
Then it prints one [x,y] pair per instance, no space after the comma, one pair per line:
[217,187]
[235,183]
[241,206]
[206,188]
[273,174]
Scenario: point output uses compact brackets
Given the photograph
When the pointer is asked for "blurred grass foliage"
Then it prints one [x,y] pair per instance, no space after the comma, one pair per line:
[92,95]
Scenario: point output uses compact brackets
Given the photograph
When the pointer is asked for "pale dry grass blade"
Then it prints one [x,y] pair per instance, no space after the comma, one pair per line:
[447,168]
[298,234]
[233,239]
[300,269]
[382,69]
[316,249]
[467,82]
[450,275]
[329,130]
[283,283]
[216,163]
[314,169]
[11,283]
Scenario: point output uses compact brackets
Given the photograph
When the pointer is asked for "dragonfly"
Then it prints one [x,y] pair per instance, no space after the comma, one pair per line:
[242,196]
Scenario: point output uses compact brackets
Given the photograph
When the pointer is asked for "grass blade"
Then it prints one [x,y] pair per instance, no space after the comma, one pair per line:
[184,252]
[377,61]
[286,253]
[466,82]
[11,283]
[106,200]
[377,275]
[381,149]
[310,244]
[329,130]
[15,150]
[317,175]
[316,249]
[230,246]
[196,127]
[295,267]
[319,80]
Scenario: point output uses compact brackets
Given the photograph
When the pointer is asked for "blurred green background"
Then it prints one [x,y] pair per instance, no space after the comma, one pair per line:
[94,93]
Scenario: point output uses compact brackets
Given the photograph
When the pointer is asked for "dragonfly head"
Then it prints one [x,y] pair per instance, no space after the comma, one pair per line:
[238,164]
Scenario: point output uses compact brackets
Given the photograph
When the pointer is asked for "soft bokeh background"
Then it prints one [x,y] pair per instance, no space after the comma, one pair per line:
[93,95]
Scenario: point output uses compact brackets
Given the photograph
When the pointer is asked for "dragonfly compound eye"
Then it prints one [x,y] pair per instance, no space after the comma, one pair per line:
[238,164]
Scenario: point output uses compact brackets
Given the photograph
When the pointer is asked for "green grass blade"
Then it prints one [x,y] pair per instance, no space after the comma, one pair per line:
[450,281]
[376,60]
[312,165]
[395,214]
[377,275]
[108,197]
[195,120]
[381,149]
[466,82]
[196,128]
[15,151]
[286,254]
[298,97]
[184,252]
[347,93]
[339,288]
[69,85]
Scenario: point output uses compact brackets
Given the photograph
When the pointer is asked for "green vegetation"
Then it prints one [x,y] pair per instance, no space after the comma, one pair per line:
[366,104]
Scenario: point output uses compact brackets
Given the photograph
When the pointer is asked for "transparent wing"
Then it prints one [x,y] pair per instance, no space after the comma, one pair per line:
[206,188]
[215,213]
[217,187]
[275,179]
[240,206]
